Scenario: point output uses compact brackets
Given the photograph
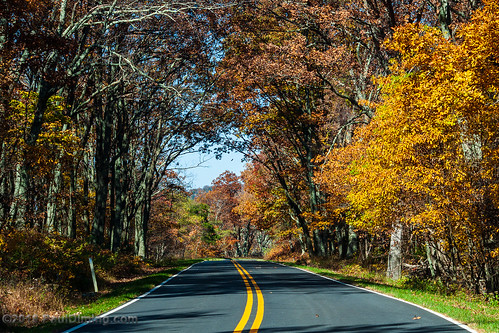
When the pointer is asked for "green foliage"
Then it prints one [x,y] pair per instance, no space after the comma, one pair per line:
[493,299]
[428,285]
[199,209]
[194,212]
[210,235]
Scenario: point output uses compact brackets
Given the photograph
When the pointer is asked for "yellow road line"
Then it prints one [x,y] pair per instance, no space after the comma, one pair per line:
[260,309]
[260,305]
[249,302]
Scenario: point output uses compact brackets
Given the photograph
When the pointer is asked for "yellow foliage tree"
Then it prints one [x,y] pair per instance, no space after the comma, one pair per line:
[429,157]
[56,137]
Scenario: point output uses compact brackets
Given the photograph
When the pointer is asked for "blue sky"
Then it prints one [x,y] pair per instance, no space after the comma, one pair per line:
[202,169]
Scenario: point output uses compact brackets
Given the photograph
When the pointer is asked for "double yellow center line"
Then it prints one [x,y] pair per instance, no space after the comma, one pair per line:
[247,278]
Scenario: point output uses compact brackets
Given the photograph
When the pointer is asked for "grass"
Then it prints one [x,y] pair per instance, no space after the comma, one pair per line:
[117,295]
[475,311]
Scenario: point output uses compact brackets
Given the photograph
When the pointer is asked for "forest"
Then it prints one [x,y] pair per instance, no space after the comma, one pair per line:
[370,129]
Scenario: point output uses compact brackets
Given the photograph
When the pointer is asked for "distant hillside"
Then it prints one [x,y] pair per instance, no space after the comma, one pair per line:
[198,191]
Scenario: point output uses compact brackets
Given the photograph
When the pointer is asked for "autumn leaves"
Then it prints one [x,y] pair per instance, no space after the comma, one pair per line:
[97,99]
[373,119]
[428,159]
[358,117]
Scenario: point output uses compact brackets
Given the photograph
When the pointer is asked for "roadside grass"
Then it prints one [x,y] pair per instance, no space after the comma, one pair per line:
[111,298]
[476,311]
[130,290]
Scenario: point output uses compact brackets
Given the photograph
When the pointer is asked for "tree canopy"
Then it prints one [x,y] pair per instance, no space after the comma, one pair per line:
[368,127]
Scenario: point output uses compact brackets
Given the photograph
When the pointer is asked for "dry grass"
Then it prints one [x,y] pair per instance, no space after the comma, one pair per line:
[30,298]
[26,298]
[286,252]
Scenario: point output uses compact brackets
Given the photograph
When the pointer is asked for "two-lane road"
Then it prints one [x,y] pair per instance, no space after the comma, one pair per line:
[228,296]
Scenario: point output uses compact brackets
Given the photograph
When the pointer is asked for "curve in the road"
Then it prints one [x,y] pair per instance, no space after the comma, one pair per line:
[249,301]
[249,304]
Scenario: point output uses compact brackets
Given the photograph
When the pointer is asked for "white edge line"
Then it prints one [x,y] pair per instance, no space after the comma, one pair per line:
[455,322]
[72,329]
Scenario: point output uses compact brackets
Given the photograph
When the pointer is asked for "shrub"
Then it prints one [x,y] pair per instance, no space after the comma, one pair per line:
[54,259]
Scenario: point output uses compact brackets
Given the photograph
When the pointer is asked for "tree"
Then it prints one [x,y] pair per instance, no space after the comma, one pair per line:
[166,238]
[296,80]
[222,199]
[91,56]
[430,149]
[263,207]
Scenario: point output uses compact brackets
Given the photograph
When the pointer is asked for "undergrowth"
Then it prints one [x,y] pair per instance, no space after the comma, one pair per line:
[42,274]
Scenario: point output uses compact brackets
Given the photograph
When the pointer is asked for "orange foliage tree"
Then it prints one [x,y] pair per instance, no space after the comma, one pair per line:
[82,60]
[295,79]
[262,204]
[236,237]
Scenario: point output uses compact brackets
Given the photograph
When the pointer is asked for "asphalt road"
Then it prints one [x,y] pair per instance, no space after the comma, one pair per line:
[220,296]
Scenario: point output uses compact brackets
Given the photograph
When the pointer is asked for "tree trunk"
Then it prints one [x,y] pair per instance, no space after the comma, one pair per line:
[342,240]
[141,224]
[432,260]
[444,18]
[249,237]
[119,209]
[5,193]
[353,242]
[85,217]
[102,164]
[18,207]
[297,212]
[72,204]
[54,188]
[320,246]
[394,269]
[119,181]
[140,236]
[143,213]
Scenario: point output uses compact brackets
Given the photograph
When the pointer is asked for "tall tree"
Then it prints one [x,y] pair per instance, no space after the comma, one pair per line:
[92,55]
[429,152]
